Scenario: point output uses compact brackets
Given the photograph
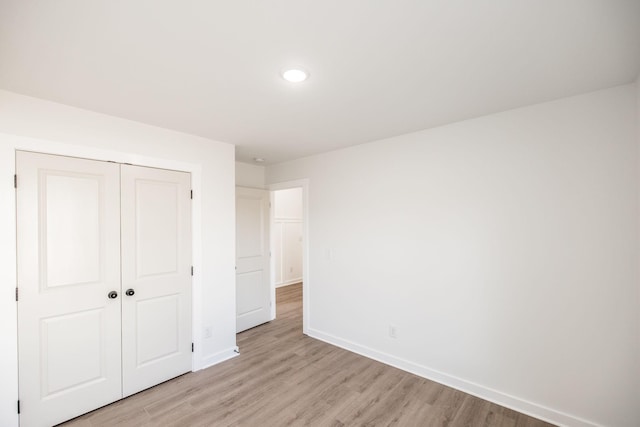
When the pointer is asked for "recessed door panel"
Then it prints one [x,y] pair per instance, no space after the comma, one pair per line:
[249,297]
[250,214]
[70,224]
[156,276]
[80,334]
[157,227]
[158,328]
[253,290]
[68,234]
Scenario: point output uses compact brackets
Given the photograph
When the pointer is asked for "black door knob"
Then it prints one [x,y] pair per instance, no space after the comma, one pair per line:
[113,295]
[130,292]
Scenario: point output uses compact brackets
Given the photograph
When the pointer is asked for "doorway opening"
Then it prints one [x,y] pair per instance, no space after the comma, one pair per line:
[271,252]
[287,236]
[286,243]
[289,246]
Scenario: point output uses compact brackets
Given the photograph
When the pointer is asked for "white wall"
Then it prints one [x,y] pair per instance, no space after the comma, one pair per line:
[37,125]
[288,204]
[504,249]
[287,220]
[637,85]
[248,175]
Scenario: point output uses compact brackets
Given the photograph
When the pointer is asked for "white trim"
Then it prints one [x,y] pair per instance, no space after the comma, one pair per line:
[12,143]
[306,285]
[220,357]
[289,282]
[503,399]
[272,251]
[8,281]
[287,220]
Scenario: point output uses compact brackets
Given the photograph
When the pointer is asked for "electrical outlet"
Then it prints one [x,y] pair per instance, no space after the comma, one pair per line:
[207,332]
[393,331]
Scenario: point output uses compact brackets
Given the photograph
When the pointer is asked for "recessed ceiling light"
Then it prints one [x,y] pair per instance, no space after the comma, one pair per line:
[258,159]
[295,75]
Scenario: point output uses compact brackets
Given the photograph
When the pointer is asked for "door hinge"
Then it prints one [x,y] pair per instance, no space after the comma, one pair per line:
[192,270]
[191,194]
[18,406]
[15,181]
[192,347]
[16,293]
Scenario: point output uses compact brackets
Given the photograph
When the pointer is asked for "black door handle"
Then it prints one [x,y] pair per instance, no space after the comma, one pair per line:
[130,292]
[113,295]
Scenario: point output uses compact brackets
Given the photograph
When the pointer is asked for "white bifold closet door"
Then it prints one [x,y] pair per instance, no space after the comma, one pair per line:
[83,341]
[156,268]
[68,234]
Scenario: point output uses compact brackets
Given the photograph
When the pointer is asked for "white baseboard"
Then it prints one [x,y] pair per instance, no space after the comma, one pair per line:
[530,408]
[289,282]
[219,357]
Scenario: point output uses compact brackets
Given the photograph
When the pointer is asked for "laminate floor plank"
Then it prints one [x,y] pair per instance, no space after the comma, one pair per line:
[283,378]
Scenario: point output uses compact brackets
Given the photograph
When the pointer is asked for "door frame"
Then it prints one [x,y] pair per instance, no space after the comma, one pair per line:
[306,284]
[11,144]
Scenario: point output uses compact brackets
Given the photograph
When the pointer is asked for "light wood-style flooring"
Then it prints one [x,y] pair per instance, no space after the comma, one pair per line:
[284,378]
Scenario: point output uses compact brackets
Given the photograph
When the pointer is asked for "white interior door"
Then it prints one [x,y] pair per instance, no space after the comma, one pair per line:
[156,276]
[253,290]
[68,234]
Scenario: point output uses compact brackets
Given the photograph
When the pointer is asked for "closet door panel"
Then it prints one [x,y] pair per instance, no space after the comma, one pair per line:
[156,276]
[68,234]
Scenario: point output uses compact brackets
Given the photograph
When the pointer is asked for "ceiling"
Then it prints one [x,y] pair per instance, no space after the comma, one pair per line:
[378,68]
